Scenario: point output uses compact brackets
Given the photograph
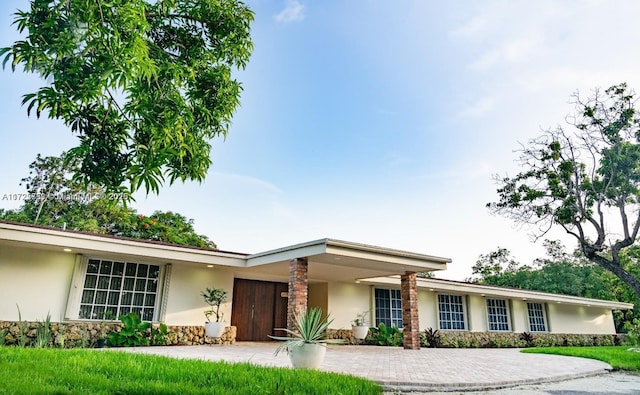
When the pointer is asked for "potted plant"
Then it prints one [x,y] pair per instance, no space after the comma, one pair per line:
[359,326]
[307,344]
[214,297]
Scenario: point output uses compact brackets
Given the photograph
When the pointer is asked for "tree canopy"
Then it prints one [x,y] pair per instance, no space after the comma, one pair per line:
[143,84]
[585,179]
[55,199]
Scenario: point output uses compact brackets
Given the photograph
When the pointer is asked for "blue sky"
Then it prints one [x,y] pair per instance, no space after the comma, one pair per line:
[375,122]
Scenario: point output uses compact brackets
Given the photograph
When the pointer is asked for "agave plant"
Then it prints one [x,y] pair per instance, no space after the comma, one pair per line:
[310,328]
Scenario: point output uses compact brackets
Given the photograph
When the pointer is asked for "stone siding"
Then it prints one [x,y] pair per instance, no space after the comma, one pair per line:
[86,334]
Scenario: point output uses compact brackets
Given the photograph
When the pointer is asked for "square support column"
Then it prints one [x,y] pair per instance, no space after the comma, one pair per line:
[410,320]
[298,290]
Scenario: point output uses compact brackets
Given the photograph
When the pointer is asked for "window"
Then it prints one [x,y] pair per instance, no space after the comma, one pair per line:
[498,315]
[451,312]
[537,322]
[113,288]
[388,307]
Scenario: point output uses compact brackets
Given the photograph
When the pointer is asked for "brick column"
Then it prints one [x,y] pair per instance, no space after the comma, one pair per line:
[410,321]
[298,290]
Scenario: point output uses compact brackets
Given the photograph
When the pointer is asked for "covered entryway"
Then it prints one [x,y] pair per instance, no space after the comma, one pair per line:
[258,308]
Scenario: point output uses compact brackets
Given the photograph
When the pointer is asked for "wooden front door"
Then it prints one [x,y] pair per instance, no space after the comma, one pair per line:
[257,308]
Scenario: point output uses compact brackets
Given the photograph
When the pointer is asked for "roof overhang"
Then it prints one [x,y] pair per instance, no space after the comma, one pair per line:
[98,245]
[438,285]
[337,260]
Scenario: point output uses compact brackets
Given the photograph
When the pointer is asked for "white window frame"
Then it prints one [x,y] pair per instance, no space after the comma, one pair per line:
[507,315]
[79,278]
[543,315]
[394,321]
[465,316]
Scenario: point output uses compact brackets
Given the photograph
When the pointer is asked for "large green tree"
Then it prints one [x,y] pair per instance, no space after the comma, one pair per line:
[55,199]
[143,84]
[584,178]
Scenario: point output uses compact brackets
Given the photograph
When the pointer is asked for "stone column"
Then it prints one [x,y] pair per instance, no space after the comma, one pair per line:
[410,321]
[298,290]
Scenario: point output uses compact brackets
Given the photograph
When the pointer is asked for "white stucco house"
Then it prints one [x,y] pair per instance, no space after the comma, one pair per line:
[77,276]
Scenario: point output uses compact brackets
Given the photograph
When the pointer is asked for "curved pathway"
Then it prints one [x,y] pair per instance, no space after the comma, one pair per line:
[410,370]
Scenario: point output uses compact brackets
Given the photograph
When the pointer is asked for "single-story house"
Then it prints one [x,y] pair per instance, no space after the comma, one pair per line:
[77,277]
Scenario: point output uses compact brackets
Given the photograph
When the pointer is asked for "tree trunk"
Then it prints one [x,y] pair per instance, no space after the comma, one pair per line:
[616,269]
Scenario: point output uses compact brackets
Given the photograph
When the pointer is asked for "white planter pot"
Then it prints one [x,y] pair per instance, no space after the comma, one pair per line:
[359,332]
[214,329]
[308,355]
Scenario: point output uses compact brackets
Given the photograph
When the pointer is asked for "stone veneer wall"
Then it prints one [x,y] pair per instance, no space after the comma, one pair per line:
[462,339]
[79,334]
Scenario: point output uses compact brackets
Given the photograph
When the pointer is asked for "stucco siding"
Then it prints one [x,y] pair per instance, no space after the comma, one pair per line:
[565,318]
[476,313]
[318,296]
[346,301]
[35,280]
[427,310]
[185,305]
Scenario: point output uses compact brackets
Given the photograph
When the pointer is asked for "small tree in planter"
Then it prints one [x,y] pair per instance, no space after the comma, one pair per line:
[214,297]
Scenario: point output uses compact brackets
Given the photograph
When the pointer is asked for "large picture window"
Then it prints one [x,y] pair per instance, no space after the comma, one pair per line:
[498,315]
[388,307]
[113,288]
[451,312]
[537,321]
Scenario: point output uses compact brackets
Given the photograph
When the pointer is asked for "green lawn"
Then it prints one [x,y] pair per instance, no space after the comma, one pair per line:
[77,371]
[618,357]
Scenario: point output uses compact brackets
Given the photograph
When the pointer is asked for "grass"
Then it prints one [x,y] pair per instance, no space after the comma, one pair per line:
[618,357]
[77,371]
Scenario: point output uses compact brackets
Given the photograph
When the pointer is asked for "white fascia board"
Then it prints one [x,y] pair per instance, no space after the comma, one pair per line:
[436,285]
[88,244]
[384,253]
[302,250]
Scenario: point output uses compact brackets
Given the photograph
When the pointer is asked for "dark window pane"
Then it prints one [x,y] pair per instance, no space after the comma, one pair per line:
[93,265]
[154,271]
[118,268]
[128,284]
[116,282]
[151,285]
[101,297]
[105,267]
[103,282]
[142,270]
[90,281]
[149,300]
[140,285]
[87,296]
[130,270]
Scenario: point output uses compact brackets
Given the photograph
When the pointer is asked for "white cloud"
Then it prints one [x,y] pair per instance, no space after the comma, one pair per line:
[293,12]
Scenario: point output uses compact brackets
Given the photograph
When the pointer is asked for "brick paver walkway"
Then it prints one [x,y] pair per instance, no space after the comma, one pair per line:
[399,369]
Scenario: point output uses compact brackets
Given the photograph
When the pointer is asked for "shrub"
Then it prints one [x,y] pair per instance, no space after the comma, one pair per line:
[386,336]
[431,338]
[135,332]
[633,332]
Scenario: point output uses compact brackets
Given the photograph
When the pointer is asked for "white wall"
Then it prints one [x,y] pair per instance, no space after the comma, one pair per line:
[185,305]
[35,280]
[346,301]
[427,309]
[565,318]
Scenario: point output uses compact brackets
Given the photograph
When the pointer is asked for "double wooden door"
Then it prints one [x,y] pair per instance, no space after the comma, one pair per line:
[258,308]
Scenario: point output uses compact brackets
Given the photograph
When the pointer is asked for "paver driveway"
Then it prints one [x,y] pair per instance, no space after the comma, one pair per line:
[396,368]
